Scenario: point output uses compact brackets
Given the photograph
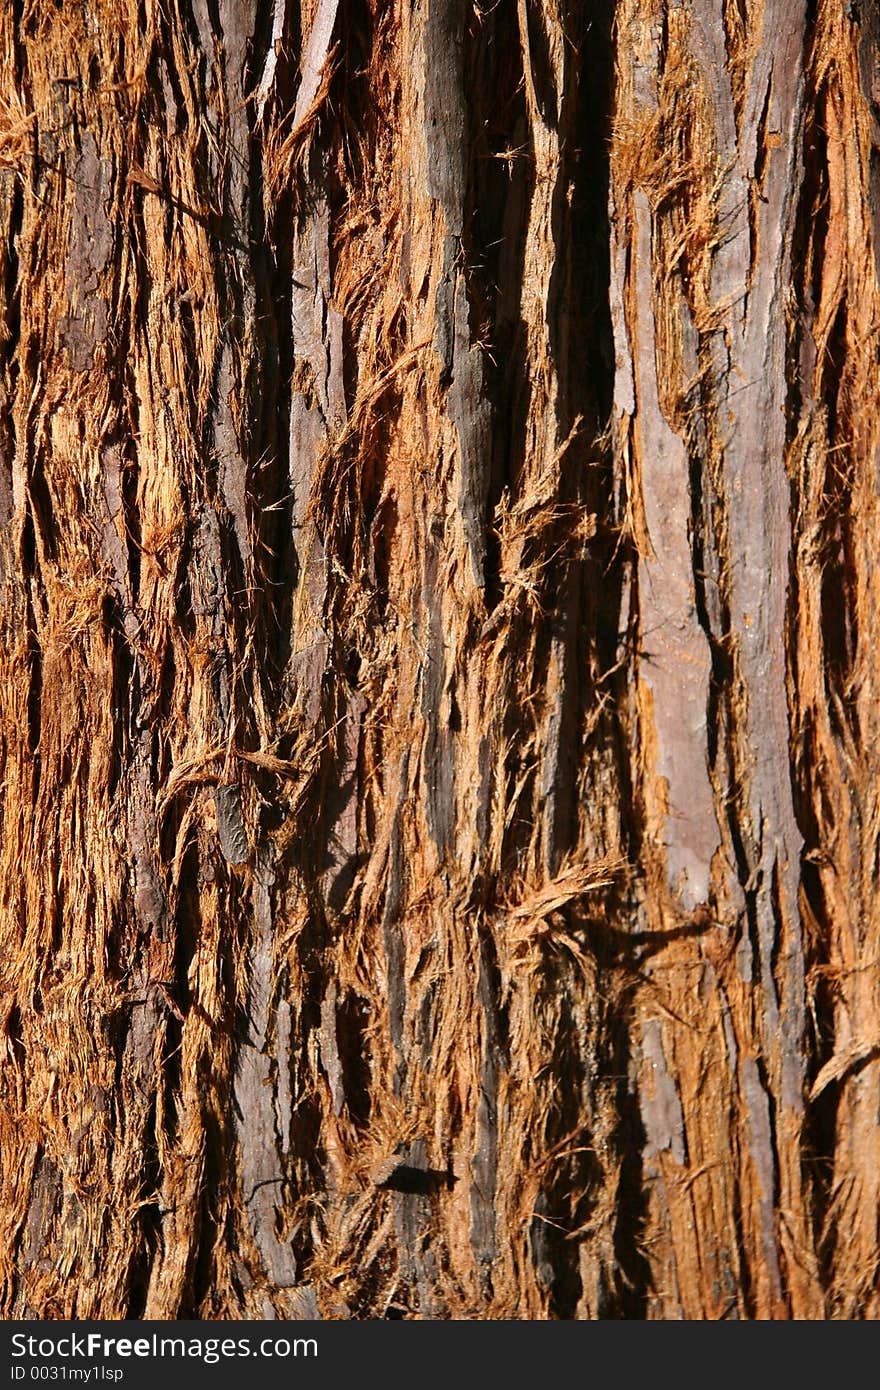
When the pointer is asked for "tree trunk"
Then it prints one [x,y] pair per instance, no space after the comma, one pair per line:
[438,722]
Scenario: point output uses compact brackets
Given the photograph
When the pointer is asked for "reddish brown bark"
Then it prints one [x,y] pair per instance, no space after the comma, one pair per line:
[437,514]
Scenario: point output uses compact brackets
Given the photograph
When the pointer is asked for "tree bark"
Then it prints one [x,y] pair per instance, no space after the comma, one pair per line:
[438,723]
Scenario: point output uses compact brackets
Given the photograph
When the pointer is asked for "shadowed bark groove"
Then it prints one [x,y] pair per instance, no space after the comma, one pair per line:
[438,857]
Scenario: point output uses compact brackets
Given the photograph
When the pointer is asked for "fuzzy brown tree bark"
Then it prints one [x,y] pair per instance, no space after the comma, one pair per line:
[438,724]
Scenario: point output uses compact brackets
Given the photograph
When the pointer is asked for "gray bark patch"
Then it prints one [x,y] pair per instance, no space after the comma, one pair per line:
[230,827]
[85,324]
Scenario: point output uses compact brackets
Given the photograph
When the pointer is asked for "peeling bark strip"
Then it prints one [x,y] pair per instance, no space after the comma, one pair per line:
[438,675]
[675,655]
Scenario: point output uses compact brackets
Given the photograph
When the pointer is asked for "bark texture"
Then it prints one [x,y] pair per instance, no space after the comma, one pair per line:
[438,658]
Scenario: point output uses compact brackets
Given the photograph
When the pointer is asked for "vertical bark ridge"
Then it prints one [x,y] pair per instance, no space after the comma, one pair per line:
[832,462]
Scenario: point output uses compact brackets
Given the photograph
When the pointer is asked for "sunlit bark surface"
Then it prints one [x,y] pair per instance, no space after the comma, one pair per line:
[438,659]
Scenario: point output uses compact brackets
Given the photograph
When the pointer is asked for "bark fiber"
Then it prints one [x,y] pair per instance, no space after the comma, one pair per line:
[438,519]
